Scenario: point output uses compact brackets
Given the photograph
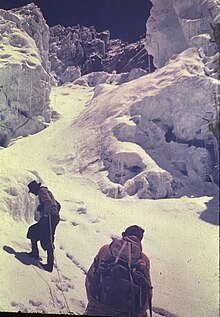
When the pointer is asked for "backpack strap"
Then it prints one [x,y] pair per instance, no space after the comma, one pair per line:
[131,278]
[129,255]
[120,252]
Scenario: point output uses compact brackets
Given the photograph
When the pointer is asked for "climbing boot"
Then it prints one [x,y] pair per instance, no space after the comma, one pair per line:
[46,267]
[35,252]
[50,260]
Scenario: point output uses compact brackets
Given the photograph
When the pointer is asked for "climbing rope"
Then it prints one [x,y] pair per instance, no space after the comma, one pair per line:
[51,293]
[55,259]
[61,286]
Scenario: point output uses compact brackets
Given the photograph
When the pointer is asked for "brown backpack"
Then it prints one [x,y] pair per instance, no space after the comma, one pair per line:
[118,282]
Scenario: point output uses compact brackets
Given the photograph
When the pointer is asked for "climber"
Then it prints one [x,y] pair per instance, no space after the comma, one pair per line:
[118,283]
[44,229]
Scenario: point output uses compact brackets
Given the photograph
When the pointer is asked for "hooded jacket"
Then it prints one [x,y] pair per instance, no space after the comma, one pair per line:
[48,204]
[96,308]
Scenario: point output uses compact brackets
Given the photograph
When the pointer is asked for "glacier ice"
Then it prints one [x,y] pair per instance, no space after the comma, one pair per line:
[25,80]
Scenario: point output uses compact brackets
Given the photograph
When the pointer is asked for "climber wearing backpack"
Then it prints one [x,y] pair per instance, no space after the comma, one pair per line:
[44,229]
[118,283]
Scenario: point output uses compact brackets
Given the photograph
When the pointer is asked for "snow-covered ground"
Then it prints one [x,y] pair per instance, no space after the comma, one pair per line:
[182,247]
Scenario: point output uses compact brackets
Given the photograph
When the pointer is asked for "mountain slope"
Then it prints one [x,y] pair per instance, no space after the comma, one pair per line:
[183,248]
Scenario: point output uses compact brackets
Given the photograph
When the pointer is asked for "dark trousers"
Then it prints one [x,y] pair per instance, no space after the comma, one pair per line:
[44,231]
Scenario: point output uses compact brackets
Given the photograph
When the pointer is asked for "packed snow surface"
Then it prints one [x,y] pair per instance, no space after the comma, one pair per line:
[182,247]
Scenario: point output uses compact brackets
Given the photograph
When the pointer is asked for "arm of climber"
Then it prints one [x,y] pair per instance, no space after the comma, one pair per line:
[46,200]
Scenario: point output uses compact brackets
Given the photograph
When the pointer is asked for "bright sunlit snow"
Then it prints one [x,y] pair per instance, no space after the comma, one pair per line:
[115,150]
[183,249]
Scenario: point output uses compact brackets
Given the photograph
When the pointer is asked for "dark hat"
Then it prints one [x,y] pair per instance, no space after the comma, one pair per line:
[33,186]
[134,231]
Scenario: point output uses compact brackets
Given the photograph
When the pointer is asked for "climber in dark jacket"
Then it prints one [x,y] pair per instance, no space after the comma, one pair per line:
[44,229]
[134,235]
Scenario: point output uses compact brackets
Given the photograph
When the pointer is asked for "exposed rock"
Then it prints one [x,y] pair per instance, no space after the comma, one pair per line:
[24,73]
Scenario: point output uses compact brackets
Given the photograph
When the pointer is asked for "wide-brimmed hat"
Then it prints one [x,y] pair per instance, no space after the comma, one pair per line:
[134,231]
[33,186]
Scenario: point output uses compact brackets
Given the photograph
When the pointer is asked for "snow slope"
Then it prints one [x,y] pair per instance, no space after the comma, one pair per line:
[182,247]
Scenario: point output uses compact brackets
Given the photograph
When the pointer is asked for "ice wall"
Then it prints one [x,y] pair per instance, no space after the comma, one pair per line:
[150,137]
[175,25]
[24,73]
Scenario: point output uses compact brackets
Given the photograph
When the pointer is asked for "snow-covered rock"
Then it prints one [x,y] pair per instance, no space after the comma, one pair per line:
[24,72]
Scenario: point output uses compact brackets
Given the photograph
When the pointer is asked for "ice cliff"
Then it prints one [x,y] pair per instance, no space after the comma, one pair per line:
[153,135]
[175,26]
[24,73]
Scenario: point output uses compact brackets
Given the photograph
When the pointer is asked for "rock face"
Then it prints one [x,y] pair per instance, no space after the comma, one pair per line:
[93,52]
[24,73]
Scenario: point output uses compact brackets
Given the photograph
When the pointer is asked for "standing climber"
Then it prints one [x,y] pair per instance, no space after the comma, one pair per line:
[118,283]
[44,229]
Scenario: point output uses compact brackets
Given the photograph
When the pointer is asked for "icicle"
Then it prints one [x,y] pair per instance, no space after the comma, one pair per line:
[216,138]
[44,106]
[31,95]
[118,166]
[55,97]
[122,171]
[9,76]
[149,68]
[116,193]
[18,97]
[215,144]
[8,84]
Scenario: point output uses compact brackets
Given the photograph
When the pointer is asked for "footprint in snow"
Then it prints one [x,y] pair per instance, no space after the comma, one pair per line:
[71,257]
[35,303]
[81,210]
[74,223]
[63,283]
